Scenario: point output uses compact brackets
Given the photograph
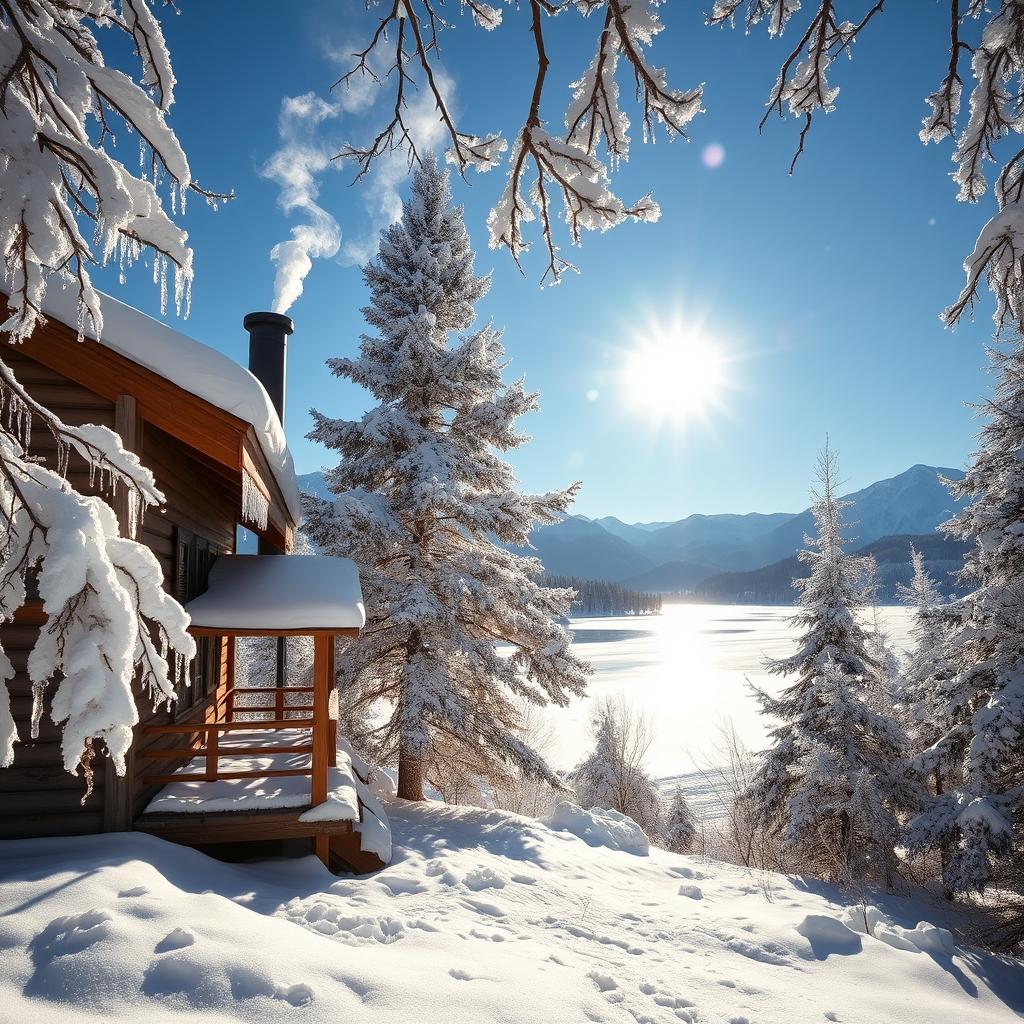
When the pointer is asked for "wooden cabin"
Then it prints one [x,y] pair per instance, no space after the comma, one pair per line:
[210,433]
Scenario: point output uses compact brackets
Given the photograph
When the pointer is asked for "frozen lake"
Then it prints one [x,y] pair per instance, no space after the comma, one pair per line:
[687,669]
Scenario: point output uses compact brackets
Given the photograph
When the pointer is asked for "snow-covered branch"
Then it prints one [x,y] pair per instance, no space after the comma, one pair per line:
[108,622]
[544,167]
[59,106]
[802,86]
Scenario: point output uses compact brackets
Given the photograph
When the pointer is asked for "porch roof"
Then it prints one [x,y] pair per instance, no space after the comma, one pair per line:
[261,595]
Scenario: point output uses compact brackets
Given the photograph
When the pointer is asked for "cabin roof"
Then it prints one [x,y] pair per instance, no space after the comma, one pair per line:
[194,367]
[279,594]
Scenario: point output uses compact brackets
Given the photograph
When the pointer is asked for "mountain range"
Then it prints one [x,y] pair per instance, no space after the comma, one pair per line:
[751,557]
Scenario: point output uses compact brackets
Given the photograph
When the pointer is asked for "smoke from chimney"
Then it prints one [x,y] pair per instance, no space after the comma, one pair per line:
[294,167]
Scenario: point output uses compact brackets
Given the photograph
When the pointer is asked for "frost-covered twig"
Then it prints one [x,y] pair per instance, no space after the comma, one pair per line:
[802,86]
[572,167]
[55,170]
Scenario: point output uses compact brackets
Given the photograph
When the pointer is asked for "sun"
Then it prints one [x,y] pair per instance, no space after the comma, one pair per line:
[674,374]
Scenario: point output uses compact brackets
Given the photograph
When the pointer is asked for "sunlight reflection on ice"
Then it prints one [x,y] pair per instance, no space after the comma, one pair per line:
[688,670]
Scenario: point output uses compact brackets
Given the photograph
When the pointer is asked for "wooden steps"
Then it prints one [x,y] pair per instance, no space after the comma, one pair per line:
[345,854]
[342,842]
[211,827]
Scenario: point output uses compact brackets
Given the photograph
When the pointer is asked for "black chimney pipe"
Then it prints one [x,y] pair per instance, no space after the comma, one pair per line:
[268,348]
[268,357]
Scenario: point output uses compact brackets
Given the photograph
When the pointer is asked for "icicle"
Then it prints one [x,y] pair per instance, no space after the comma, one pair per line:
[255,507]
[133,517]
[63,456]
[163,285]
[38,690]
[88,754]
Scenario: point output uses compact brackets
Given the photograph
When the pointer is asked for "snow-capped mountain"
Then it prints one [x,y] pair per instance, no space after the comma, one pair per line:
[677,556]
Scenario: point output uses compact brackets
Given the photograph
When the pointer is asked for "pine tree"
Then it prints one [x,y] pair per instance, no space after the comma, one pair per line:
[679,825]
[425,505]
[835,778]
[923,695]
[883,666]
[976,820]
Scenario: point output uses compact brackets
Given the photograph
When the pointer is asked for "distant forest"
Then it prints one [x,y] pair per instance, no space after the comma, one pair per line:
[602,597]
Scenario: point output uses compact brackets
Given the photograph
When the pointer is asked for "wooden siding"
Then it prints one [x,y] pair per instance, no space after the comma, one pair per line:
[224,442]
[37,796]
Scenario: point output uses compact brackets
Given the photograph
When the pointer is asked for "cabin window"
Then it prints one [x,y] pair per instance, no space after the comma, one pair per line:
[194,557]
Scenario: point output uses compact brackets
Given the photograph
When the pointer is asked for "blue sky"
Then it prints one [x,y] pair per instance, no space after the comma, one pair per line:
[824,288]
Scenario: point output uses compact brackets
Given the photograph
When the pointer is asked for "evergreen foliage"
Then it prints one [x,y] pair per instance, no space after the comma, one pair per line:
[679,825]
[978,702]
[602,597]
[835,778]
[426,507]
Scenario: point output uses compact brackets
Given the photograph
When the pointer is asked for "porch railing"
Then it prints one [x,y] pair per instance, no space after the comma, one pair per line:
[204,737]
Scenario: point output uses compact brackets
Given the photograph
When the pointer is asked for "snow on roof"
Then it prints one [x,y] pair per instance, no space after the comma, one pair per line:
[194,367]
[271,592]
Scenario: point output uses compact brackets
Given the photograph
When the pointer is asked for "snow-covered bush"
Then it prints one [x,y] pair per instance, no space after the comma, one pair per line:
[613,774]
[600,826]
[678,828]
[428,510]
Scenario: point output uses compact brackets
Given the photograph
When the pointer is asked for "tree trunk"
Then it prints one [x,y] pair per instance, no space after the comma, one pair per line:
[410,776]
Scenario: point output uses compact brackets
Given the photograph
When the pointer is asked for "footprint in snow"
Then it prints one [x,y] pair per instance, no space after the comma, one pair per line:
[460,975]
[684,872]
[399,886]
[179,938]
[139,890]
[694,892]
[482,907]
[484,878]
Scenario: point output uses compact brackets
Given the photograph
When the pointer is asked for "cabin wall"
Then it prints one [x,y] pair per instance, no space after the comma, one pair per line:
[37,796]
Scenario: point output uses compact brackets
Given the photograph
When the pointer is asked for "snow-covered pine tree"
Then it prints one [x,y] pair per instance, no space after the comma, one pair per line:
[613,775]
[978,821]
[425,506]
[924,681]
[108,618]
[883,666]
[836,777]
[679,825]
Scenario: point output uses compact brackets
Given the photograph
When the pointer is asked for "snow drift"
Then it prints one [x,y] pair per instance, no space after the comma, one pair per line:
[482,916]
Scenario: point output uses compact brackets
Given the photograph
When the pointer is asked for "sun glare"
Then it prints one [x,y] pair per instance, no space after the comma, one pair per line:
[674,374]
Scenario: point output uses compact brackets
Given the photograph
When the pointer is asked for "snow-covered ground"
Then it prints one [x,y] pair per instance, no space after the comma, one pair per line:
[483,917]
[688,669]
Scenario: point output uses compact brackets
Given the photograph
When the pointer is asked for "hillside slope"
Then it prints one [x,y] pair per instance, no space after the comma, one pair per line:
[483,917]
[773,584]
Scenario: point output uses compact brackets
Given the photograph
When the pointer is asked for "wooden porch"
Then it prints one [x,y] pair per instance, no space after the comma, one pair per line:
[245,772]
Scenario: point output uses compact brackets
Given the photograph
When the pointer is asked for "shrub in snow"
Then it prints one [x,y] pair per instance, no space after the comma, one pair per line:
[678,824]
[836,777]
[598,827]
[613,774]
[976,819]
[427,509]
[107,615]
